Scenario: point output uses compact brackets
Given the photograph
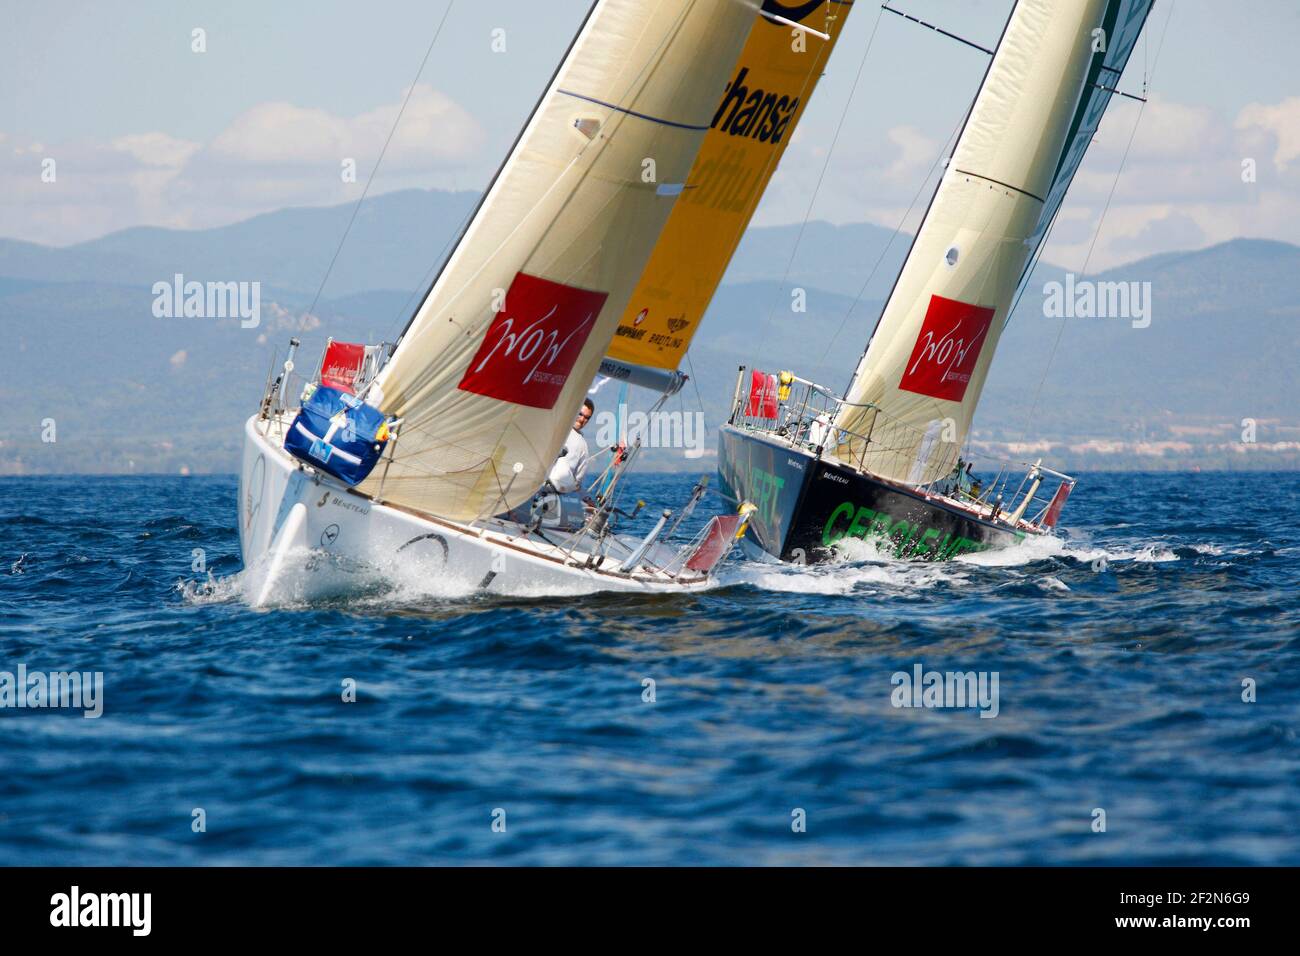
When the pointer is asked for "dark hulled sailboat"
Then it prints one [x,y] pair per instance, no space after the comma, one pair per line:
[883,460]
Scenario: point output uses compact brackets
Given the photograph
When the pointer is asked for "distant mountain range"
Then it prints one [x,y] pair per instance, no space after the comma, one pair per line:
[127,391]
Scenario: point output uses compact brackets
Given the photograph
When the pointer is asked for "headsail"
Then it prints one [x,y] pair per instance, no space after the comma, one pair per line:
[491,370]
[915,390]
[754,121]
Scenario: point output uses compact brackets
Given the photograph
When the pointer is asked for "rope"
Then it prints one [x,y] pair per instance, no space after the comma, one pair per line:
[404,313]
[943,150]
[816,189]
[357,208]
[694,381]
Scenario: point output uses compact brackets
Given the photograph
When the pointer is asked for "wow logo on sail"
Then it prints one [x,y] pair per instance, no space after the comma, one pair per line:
[946,349]
[533,342]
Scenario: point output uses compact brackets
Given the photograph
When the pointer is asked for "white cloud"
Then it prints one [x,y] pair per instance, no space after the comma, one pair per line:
[433,129]
[865,179]
[1167,130]
[156,149]
[1180,186]
[269,157]
[916,153]
[1281,121]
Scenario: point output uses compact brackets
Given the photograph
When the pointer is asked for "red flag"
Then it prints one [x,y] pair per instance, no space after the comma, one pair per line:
[762,396]
[342,366]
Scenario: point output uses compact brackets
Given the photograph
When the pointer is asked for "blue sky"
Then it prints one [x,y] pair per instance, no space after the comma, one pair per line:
[145,131]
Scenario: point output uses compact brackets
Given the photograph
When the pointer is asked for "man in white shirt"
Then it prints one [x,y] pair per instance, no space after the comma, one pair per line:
[568,471]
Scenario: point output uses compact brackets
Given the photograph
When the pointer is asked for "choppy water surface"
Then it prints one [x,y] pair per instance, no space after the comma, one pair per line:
[1120,654]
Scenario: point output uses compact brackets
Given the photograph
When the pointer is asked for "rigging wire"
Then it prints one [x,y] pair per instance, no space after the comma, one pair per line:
[1060,332]
[943,151]
[825,165]
[651,63]
[696,383]
[357,208]
[404,312]
[934,196]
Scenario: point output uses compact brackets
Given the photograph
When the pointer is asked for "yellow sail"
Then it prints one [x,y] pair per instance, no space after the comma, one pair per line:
[488,376]
[769,88]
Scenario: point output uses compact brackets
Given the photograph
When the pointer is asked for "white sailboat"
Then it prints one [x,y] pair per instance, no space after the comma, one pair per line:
[882,459]
[418,462]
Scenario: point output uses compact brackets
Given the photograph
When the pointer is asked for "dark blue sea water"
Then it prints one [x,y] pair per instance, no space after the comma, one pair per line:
[1121,654]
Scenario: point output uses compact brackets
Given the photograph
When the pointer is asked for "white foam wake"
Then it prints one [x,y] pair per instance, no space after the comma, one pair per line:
[310,578]
[865,564]
[858,564]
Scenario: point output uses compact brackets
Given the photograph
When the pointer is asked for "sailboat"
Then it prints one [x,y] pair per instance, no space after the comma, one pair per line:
[609,223]
[881,461]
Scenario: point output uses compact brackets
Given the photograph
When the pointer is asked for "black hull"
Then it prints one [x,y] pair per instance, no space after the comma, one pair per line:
[805,504]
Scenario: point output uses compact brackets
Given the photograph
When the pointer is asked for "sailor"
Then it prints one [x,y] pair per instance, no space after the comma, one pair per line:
[953,486]
[567,472]
[819,430]
[966,481]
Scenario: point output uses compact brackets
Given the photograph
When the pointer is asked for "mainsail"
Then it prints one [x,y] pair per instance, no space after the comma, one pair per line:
[1047,86]
[754,121]
[488,376]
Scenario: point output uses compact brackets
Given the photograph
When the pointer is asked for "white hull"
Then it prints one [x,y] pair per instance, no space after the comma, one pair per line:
[305,536]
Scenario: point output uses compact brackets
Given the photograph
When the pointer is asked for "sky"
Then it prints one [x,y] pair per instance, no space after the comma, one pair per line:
[143,129]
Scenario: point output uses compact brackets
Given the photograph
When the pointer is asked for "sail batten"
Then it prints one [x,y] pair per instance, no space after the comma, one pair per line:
[618,109]
[1020,146]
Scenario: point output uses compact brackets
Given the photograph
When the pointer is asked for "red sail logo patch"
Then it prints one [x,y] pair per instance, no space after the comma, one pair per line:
[533,342]
[946,350]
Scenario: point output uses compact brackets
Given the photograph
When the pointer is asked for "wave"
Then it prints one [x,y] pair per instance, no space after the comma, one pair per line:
[310,579]
[1052,547]
[859,562]
[313,581]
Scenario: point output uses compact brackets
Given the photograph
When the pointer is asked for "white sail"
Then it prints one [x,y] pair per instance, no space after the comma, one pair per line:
[489,375]
[915,390]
